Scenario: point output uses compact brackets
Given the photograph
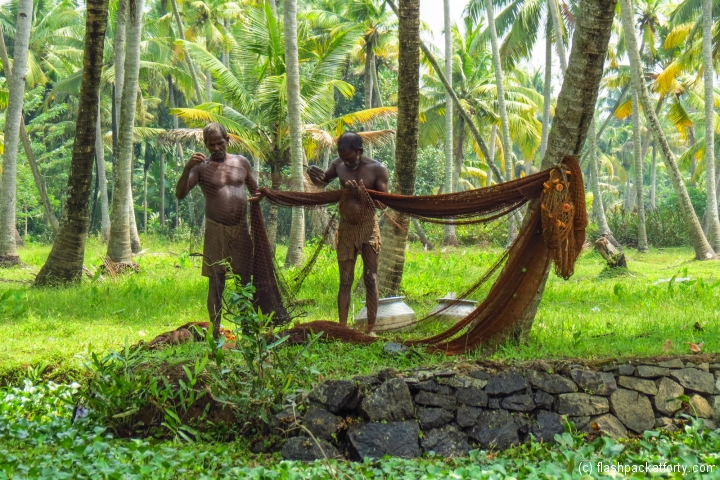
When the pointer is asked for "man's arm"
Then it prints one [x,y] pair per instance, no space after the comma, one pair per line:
[189,177]
[320,178]
[250,180]
[383,179]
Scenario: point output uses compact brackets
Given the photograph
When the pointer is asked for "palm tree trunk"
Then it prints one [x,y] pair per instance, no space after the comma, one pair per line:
[119,51]
[653,177]
[102,180]
[369,67]
[50,218]
[162,191]
[639,161]
[226,50]
[711,209]
[119,248]
[208,87]
[65,262]
[575,106]
[553,7]
[13,118]
[547,99]
[181,35]
[703,250]
[296,242]
[458,152]
[134,237]
[394,234]
[450,238]
[273,7]
[504,123]
[598,207]
[493,139]
[145,203]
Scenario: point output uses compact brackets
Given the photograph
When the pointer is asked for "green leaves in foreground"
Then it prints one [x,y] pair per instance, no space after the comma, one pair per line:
[38,440]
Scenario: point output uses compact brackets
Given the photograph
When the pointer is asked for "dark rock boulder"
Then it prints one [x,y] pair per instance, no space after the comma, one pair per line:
[448,441]
[428,399]
[333,395]
[547,426]
[506,383]
[391,402]
[321,423]
[433,417]
[374,440]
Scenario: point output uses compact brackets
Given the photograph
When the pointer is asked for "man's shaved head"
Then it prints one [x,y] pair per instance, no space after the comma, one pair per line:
[349,141]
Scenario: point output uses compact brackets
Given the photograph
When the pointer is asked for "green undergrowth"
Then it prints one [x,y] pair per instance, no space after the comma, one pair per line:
[38,439]
[594,314]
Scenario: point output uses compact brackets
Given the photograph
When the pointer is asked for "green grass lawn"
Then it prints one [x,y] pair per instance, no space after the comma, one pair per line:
[597,313]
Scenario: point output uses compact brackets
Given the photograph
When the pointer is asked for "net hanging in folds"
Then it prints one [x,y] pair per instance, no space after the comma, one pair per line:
[554,232]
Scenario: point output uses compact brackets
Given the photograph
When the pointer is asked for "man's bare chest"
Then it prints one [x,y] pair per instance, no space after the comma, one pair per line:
[222,174]
[367,175]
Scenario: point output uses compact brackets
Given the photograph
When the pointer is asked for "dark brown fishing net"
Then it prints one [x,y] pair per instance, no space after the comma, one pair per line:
[554,232]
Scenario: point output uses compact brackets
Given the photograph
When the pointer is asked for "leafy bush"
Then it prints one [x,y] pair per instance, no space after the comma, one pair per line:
[665,227]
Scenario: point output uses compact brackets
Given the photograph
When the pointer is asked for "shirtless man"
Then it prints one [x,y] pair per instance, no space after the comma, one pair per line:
[358,231]
[222,178]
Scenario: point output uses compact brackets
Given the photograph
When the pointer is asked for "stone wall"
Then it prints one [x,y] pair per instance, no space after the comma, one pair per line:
[453,410]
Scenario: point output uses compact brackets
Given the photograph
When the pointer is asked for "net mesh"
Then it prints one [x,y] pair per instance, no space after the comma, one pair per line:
[553,231]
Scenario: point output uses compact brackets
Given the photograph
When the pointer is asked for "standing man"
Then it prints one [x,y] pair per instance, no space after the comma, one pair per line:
[358,231]
[222,178]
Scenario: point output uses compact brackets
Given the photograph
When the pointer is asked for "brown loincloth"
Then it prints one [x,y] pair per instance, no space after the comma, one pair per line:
[230,243]
[350,238]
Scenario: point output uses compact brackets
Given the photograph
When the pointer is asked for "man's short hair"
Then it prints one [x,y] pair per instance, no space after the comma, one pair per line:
[349,141]
[214,129]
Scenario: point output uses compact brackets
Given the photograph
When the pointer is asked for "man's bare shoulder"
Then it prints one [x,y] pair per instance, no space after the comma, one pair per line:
[377,166]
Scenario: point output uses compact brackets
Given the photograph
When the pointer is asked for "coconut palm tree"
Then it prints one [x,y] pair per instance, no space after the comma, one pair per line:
[703,250]
[13,117]
[504,121]
[450,238]
[711,210]
[394,234]
[65,261]
[296,242]
[119,248]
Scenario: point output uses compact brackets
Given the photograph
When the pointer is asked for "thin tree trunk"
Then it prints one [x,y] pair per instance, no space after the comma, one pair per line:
[65,262]
[491,160]
[606,122]
[639,161]
[394,234]
[377,94]
[459,156]
[547,99]
[102,180]
[181,35]
[369,67]
[296,241]
[13,118]
[145,203]
[421,234]
[119,52]
[162,192]
[119,247]
[208,87]
[504,123]
[134,237]
[711,209]
[226,49]
[703,250]
[553,7]
[575,106]
[49,215]
[273,6]
[450,238]
[653,177]
[598,207]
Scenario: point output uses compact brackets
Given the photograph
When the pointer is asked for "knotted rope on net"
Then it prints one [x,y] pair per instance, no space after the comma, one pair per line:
[553,231]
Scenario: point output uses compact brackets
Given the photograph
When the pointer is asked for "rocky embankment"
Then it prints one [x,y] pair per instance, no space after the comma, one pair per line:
[454,409]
